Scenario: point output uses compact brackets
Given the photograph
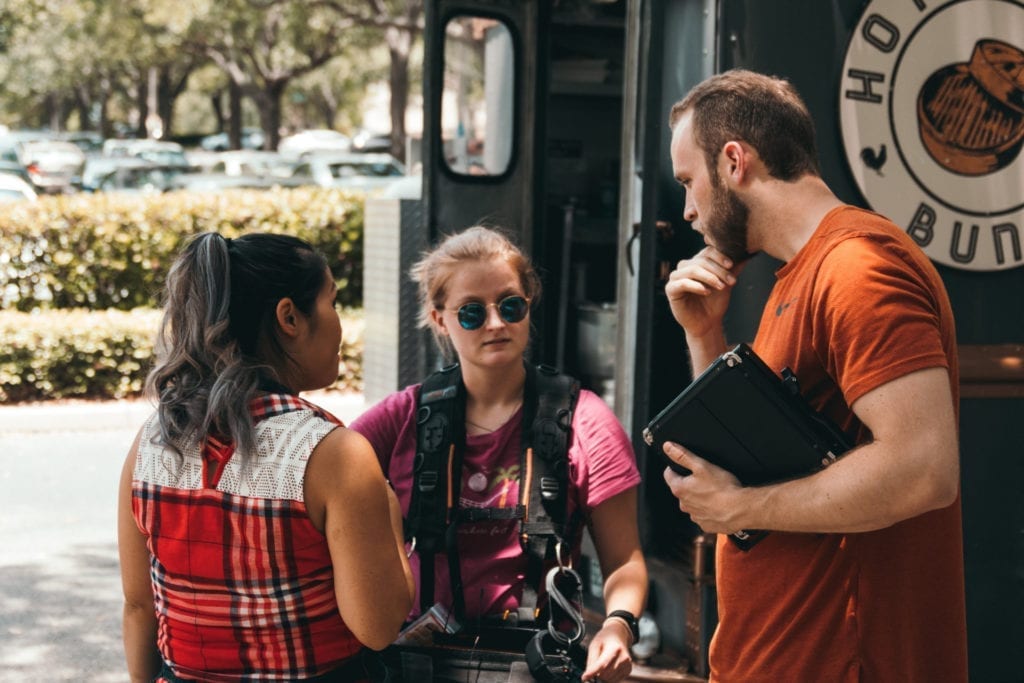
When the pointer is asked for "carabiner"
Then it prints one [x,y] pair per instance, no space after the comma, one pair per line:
[559,599]
[563,566]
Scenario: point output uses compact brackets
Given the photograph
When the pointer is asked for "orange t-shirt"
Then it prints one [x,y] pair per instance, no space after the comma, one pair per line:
[860,305]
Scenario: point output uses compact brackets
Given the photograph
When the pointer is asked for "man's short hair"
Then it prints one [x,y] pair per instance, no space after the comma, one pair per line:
[763,111]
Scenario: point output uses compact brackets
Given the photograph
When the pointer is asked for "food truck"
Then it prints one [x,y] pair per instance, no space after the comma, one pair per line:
[550,118]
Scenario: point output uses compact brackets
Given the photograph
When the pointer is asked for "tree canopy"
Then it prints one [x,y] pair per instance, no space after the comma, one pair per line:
[120,67]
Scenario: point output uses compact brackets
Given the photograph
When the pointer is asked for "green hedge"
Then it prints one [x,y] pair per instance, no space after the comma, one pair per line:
[106,354]
[113,250]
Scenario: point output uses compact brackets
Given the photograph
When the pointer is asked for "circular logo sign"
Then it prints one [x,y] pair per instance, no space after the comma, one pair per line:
[931,106]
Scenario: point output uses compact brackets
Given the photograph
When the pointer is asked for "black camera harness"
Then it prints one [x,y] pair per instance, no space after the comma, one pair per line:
[549,399]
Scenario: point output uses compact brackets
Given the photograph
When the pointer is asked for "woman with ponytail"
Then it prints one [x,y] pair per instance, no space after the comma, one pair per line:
[258,536]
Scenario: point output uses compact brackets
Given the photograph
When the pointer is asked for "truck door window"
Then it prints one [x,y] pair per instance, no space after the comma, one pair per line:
[477,106]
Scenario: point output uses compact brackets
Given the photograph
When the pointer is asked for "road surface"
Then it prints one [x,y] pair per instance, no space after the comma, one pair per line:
[60,591]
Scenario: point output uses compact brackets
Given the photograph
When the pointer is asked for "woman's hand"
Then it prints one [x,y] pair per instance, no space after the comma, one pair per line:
[608,658]
[613,528]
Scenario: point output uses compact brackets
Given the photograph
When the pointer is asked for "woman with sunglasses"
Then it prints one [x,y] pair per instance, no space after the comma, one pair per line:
[476,290]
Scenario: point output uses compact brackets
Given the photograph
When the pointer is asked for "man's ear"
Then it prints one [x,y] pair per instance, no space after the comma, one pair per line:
[287,315]
[735,161]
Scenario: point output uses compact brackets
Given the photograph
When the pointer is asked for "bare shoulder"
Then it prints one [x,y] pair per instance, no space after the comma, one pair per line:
[343,458]
[342,471]
[129,462]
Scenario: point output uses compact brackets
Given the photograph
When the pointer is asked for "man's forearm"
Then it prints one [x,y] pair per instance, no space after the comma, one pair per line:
[911,466]
[863,491]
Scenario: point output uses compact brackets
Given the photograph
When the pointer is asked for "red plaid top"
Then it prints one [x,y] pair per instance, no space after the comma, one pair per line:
[242,581]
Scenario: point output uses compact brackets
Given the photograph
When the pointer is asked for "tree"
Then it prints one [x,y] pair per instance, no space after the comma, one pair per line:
[106,53]
[34,79]
[401,22]
[262,45]
[332,96]
[105,62]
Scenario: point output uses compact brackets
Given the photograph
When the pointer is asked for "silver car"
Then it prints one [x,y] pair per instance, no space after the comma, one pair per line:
[365,172]
[54,166]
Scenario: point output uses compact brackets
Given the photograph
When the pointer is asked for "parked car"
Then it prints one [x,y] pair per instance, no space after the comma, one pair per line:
[54,166]
[252,138]
[11,141]
[158,151]
[367,141]
[201,160]
[314,141]
[117,147]
[406,187]
[216,182]
[127,174]
[14,167]
[90,142]
[13,188]
[10,150]
[251,162]
[351,171]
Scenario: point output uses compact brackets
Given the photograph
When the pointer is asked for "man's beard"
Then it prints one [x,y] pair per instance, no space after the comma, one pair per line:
[727,222]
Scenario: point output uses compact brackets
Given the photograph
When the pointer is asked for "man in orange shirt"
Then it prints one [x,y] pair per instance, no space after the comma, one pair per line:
[861,577]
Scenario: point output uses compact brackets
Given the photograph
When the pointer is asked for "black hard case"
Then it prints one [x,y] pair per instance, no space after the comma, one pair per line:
[742,417]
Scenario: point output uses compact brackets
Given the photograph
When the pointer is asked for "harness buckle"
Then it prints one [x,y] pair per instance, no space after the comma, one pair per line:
[428,481]
[550,488]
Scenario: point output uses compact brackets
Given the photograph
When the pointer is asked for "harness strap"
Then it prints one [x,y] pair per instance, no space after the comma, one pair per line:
[489,514]
[455,573]
[544,488]
[549,399]
[437,469]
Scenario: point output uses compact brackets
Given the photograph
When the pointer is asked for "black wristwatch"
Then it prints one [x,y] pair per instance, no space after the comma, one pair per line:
[634,627]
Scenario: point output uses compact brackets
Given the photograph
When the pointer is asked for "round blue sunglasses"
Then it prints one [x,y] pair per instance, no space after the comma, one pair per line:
[511,309]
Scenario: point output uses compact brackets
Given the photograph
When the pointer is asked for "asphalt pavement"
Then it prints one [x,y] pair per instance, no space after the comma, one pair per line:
[60,592]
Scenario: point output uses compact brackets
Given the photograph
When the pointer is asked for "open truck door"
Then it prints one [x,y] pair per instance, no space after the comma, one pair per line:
[548,119]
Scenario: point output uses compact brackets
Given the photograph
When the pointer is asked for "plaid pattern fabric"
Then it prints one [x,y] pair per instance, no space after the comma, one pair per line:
[242,581]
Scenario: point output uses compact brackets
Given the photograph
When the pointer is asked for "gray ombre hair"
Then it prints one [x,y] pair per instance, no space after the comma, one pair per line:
[217,343]
[477,243]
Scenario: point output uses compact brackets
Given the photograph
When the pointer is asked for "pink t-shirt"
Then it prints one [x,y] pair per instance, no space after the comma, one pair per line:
[601,465]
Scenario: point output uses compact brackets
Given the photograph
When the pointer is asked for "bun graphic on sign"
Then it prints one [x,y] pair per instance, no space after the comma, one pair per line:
[931,112]
[972,114]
